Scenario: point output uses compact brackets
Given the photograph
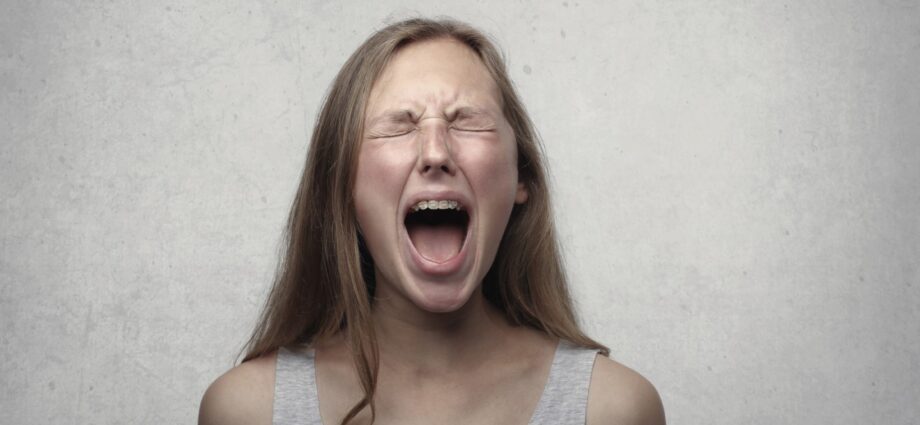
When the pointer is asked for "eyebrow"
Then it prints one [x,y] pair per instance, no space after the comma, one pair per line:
[468,112]
[407,115]
[395,115]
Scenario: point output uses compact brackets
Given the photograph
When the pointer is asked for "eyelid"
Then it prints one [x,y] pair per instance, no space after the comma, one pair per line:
[387,135]
[472,129]
[474,122]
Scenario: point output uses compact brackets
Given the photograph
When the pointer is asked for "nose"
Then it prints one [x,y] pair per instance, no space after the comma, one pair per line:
[434,150]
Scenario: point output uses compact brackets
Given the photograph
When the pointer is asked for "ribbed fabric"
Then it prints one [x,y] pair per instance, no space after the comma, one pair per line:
[295,389]
[564,399]
[565,396]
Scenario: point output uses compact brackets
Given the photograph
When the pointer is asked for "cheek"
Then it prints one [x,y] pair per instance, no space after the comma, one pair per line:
[491,167]
[378,183]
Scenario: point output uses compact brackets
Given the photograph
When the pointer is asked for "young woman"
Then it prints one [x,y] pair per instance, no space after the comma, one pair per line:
[422,281]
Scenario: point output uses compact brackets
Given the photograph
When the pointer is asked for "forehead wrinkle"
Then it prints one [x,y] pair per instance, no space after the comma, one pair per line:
[436,104]
[449,98]
[465,106]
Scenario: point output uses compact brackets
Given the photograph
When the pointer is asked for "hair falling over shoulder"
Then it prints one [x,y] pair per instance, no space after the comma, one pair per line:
[323,287]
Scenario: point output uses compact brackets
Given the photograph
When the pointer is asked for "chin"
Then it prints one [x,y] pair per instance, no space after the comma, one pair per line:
[441,297]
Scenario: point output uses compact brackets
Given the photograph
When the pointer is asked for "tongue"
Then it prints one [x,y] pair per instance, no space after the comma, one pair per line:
[436,242]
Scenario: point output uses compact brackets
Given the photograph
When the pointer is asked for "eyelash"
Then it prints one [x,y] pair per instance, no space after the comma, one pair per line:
[400,134]
[468,130]
[482,130]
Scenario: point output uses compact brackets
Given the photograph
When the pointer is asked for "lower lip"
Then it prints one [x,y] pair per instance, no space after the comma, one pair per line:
[432,268]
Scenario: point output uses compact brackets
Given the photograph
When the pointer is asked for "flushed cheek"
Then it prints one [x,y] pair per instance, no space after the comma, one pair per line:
[379,182]
[491,169]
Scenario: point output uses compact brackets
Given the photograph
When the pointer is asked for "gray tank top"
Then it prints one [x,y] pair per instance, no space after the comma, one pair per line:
[564,399]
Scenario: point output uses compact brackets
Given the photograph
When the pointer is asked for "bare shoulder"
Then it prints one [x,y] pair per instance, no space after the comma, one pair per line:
[243,395]
[620,395]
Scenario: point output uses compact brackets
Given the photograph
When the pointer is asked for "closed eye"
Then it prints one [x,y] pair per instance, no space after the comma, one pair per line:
[391,130]
[473,129]
[388,134]
[392,124]
[472,122]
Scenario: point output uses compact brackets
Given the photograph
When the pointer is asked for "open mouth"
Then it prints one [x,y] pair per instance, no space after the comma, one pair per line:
[437,229]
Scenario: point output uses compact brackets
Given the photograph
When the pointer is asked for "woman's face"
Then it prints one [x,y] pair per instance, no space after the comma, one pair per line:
[437,175]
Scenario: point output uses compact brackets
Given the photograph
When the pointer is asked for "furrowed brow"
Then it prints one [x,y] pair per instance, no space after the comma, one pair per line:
[468,112]
[393,116]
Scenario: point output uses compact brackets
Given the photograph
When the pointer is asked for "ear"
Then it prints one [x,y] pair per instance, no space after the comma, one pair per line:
[520,196]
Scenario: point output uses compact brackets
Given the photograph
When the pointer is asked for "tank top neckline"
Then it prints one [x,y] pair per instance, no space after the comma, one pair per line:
[565,387]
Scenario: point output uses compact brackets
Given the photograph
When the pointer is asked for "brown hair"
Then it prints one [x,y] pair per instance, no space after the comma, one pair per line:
[323,286]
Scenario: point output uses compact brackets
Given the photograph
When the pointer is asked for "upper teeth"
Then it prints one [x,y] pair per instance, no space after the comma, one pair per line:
[437,205]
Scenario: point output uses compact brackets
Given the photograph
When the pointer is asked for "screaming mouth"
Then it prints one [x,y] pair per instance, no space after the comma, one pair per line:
[437,229]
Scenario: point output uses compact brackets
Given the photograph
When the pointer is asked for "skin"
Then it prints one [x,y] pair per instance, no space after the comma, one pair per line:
[434,123]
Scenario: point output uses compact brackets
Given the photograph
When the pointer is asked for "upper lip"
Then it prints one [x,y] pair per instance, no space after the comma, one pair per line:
[439,195]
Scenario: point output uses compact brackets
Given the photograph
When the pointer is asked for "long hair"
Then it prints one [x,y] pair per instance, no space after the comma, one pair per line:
[321,289]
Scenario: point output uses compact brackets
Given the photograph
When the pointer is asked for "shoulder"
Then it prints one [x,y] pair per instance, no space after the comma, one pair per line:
[620,395]
[243,395]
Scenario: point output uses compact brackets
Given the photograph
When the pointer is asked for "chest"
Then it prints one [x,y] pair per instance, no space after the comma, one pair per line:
[481,397]
[530,393]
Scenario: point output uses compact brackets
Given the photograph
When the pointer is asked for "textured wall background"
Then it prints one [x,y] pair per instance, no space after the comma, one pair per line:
[737,192]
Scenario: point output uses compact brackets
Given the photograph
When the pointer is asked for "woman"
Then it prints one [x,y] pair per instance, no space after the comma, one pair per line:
[422,281]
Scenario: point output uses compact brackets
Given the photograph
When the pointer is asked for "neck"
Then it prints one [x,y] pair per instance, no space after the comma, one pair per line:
[411,339]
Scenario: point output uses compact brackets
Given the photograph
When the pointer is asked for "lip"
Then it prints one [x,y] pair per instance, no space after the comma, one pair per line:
[422,264]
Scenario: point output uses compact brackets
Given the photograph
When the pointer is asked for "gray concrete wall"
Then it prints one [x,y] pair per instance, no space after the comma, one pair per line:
[736,185]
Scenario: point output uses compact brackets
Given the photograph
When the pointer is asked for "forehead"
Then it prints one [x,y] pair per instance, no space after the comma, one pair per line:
[434,73]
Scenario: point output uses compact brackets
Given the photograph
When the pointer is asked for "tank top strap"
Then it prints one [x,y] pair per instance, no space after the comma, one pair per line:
[295,388]
[565,396]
